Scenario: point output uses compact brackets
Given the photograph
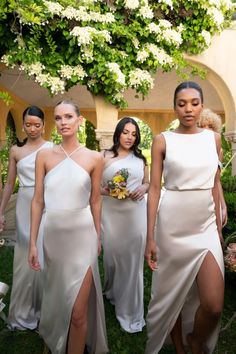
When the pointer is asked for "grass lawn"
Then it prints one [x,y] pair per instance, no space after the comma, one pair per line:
[28,342]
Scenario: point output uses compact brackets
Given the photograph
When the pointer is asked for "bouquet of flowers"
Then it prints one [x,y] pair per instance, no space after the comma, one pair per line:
[117,185]
[230,257]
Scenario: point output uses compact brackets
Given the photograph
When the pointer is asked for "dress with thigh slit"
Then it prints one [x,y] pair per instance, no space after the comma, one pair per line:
[70,249]
[27,286]
[186,231]
[124,229]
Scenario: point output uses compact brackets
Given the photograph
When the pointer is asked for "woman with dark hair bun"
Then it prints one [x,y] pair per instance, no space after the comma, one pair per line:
[25,302]
[125,182]
[185,250]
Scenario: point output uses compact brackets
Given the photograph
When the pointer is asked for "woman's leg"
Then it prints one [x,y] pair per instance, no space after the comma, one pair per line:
[211,294]
[176,336]
[79,322]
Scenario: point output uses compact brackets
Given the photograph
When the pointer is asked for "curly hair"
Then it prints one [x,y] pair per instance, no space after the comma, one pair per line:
[210,119]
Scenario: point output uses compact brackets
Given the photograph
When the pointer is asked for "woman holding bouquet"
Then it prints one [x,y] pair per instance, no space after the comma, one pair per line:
[125,182]
[25,302]
[68,180]
[188,281]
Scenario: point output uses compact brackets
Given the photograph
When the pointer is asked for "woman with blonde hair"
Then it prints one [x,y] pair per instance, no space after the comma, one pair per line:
[210,120]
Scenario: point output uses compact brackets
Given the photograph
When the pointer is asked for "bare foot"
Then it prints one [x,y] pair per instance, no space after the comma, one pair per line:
[194,346]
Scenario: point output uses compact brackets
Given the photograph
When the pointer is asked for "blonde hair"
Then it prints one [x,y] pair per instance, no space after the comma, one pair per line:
[210,119]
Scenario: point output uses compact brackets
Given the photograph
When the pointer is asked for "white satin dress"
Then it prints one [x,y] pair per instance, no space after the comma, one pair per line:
[124,227]
[26,294]
[70,249]
[186,232]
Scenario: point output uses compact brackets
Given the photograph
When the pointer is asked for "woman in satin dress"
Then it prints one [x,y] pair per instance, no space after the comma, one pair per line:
[68,178]
[185,251]
[26,294]
[124,227]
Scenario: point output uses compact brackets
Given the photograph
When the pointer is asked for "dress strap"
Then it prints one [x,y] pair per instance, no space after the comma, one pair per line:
[69,155]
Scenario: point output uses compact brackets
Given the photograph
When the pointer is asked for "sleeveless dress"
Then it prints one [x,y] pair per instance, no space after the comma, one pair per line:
[186,231]
[124,236]
[26,294]
[70,249]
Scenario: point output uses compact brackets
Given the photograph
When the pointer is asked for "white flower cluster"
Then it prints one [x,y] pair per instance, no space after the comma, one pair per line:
[131,4]
[82,14]
[158,53]
[216,16]
[6,59]
[55,84]
[67,71]
[54,7]
[138,77]
[115,69]
[165,32]
[206,36]
[217,4]
[86,34]
[146,12]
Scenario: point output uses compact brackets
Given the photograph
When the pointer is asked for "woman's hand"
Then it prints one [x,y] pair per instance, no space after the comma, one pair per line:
[2,223]
[138,193]
[33,258]
[105,190]
[224,216]
[151,254]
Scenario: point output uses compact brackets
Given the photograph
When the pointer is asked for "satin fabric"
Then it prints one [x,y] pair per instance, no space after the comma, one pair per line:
[186,231]
[123,236]
[26,294]
[70,249]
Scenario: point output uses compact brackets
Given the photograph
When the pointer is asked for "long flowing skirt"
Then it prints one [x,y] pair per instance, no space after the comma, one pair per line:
[186,231]
[70,249]
[124,236]
[26,294]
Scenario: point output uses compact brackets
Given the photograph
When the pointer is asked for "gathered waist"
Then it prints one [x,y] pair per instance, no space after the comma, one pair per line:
[64,210]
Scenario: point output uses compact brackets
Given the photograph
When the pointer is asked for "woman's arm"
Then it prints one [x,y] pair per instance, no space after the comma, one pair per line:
[154,192]
[215,191]
[223,205]
[95,197]
[9,186]
[140,191]
[37,206]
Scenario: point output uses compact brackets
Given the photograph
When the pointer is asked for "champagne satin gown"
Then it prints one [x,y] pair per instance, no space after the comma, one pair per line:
[70,249]
[186,231]
[124,236]
[26,294]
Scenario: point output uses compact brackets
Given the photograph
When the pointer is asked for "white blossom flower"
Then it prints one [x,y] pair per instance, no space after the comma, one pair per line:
[56,85]
[33,69]
[160,54]
[146,12]
[138,77]
[132,4]
[171,36]
[87,53]
[142,56]
[54,7]
[67,71]
[118,97]
[135,42]
[206,36]
[6,59]
[115,69]
[85,35]
[216,16]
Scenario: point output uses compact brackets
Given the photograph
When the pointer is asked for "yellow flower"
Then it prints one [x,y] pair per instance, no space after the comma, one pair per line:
[114,192]
[123,193]
[118,179]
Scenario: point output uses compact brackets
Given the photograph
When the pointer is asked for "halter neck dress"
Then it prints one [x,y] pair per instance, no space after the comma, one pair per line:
[186,231]
[124,236]
[26,294]
[70,249]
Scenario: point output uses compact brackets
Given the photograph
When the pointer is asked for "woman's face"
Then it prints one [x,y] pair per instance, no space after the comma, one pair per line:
[67,120]
[128,136]
[188,107]
[33,126]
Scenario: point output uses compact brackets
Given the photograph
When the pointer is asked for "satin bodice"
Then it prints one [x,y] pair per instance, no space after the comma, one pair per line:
[135,168]
[26,167]
[67,186]
[191,160]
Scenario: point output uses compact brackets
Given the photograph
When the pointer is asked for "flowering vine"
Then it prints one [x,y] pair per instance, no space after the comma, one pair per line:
[107,45]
